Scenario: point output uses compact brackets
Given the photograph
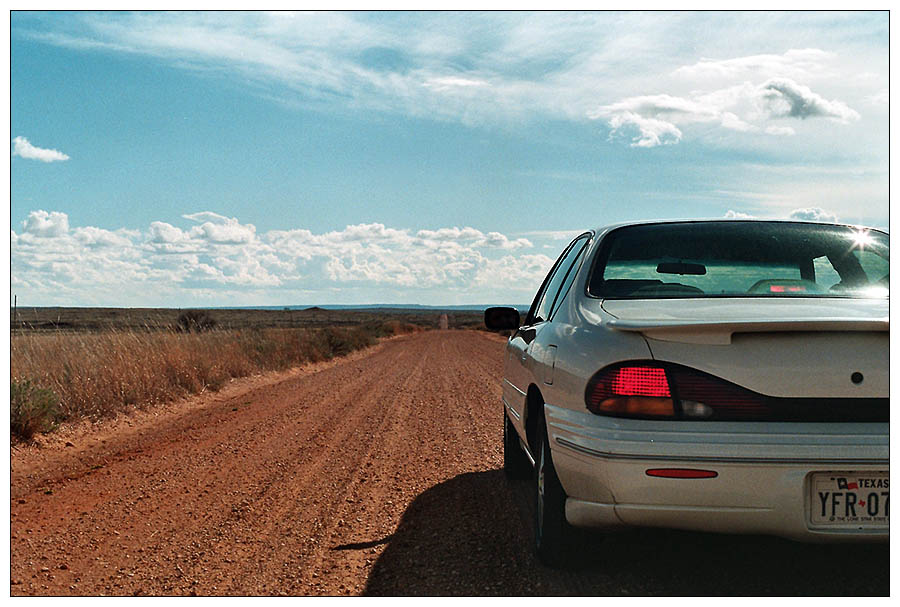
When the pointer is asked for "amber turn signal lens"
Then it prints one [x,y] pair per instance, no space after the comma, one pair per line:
[638,406]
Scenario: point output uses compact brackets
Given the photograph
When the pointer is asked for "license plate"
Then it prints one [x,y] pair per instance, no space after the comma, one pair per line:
[856,500]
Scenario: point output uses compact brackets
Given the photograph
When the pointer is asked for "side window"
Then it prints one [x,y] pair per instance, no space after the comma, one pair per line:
[533,316]
[826,275]
[570,277]
[875,267]
[858,269]
[544,307]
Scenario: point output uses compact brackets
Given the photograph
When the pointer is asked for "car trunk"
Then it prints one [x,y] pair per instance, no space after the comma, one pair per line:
[782,347]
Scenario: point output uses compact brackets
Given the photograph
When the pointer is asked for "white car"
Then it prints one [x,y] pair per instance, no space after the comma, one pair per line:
[726,376]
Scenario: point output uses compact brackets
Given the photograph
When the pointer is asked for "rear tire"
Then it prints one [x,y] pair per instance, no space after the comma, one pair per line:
[516,464]
[554,537]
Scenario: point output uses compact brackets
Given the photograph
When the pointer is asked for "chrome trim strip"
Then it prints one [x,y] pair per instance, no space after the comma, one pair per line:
[506,381]
[510,409]
[724,460]
[527,452]
[521,442]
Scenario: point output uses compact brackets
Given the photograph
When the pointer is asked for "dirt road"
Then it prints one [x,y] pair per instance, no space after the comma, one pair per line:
[376,474]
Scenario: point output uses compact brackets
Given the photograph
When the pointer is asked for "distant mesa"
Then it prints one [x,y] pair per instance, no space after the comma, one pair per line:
[314,309]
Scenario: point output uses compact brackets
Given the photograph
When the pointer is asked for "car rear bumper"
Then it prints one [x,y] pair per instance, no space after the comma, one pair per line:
[762,473]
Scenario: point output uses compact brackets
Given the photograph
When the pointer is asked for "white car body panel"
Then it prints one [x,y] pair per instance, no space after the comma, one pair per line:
[797,347]
[716,321]
[802,352]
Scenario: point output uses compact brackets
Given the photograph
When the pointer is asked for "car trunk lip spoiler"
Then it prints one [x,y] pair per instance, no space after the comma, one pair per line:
[720,332]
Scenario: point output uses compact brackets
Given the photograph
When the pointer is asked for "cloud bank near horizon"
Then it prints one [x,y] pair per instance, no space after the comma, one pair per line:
[224,260]
[221,261]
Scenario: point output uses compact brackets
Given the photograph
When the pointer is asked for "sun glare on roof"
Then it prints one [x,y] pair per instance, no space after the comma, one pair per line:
[861,238]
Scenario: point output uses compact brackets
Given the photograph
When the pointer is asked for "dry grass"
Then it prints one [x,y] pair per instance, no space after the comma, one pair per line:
[96,375]
[92,320]
[31,409]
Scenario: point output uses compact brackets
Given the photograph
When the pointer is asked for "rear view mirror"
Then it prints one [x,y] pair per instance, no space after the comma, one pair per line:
[693,269]
[499,319]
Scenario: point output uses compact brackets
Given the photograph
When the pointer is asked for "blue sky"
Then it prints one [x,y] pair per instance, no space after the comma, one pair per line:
[194,159]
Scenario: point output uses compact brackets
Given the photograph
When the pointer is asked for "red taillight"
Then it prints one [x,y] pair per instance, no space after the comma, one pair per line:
[640,381]
[631,391]
[655,390]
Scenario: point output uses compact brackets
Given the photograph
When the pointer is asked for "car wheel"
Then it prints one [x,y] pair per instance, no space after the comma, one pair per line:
[553,535]
[515,463]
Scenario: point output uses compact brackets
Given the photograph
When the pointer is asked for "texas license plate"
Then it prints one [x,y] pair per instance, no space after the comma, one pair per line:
[856,500]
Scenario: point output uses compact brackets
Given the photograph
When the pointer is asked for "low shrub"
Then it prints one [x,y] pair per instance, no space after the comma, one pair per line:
[195,321]
[31,409]
[343,341]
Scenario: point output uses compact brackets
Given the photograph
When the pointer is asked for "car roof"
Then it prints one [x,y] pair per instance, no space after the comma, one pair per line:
[622,224]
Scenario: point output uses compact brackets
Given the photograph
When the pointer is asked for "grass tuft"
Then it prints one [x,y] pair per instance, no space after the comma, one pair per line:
[195,321]
[32,409]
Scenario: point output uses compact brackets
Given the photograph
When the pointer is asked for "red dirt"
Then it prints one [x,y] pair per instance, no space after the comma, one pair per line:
[375,474]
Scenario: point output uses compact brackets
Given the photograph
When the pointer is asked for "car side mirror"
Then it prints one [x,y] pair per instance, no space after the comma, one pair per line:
[500,319]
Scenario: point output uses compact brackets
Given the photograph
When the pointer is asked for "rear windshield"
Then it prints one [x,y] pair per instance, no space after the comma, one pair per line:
[741,259]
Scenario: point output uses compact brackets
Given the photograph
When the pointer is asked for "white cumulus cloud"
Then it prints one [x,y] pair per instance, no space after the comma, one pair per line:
[209,217]
[813,214]
[650,132]
[367,232]
[656,118]
[737,215]
[785,98]
[24,149]
[653,120]
[163,232]
[219,229]
[470,236]
[42,223]
[520,273]
[98,237]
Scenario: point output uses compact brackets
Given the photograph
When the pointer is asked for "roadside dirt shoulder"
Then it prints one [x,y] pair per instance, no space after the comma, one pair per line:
[89,442]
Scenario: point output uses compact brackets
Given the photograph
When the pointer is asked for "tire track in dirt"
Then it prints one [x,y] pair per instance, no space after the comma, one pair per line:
[334,477]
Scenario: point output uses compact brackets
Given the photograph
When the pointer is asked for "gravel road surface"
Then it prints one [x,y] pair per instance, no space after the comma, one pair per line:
[376,474]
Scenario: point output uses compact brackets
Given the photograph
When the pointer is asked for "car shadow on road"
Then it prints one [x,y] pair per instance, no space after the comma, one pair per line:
[472,536]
